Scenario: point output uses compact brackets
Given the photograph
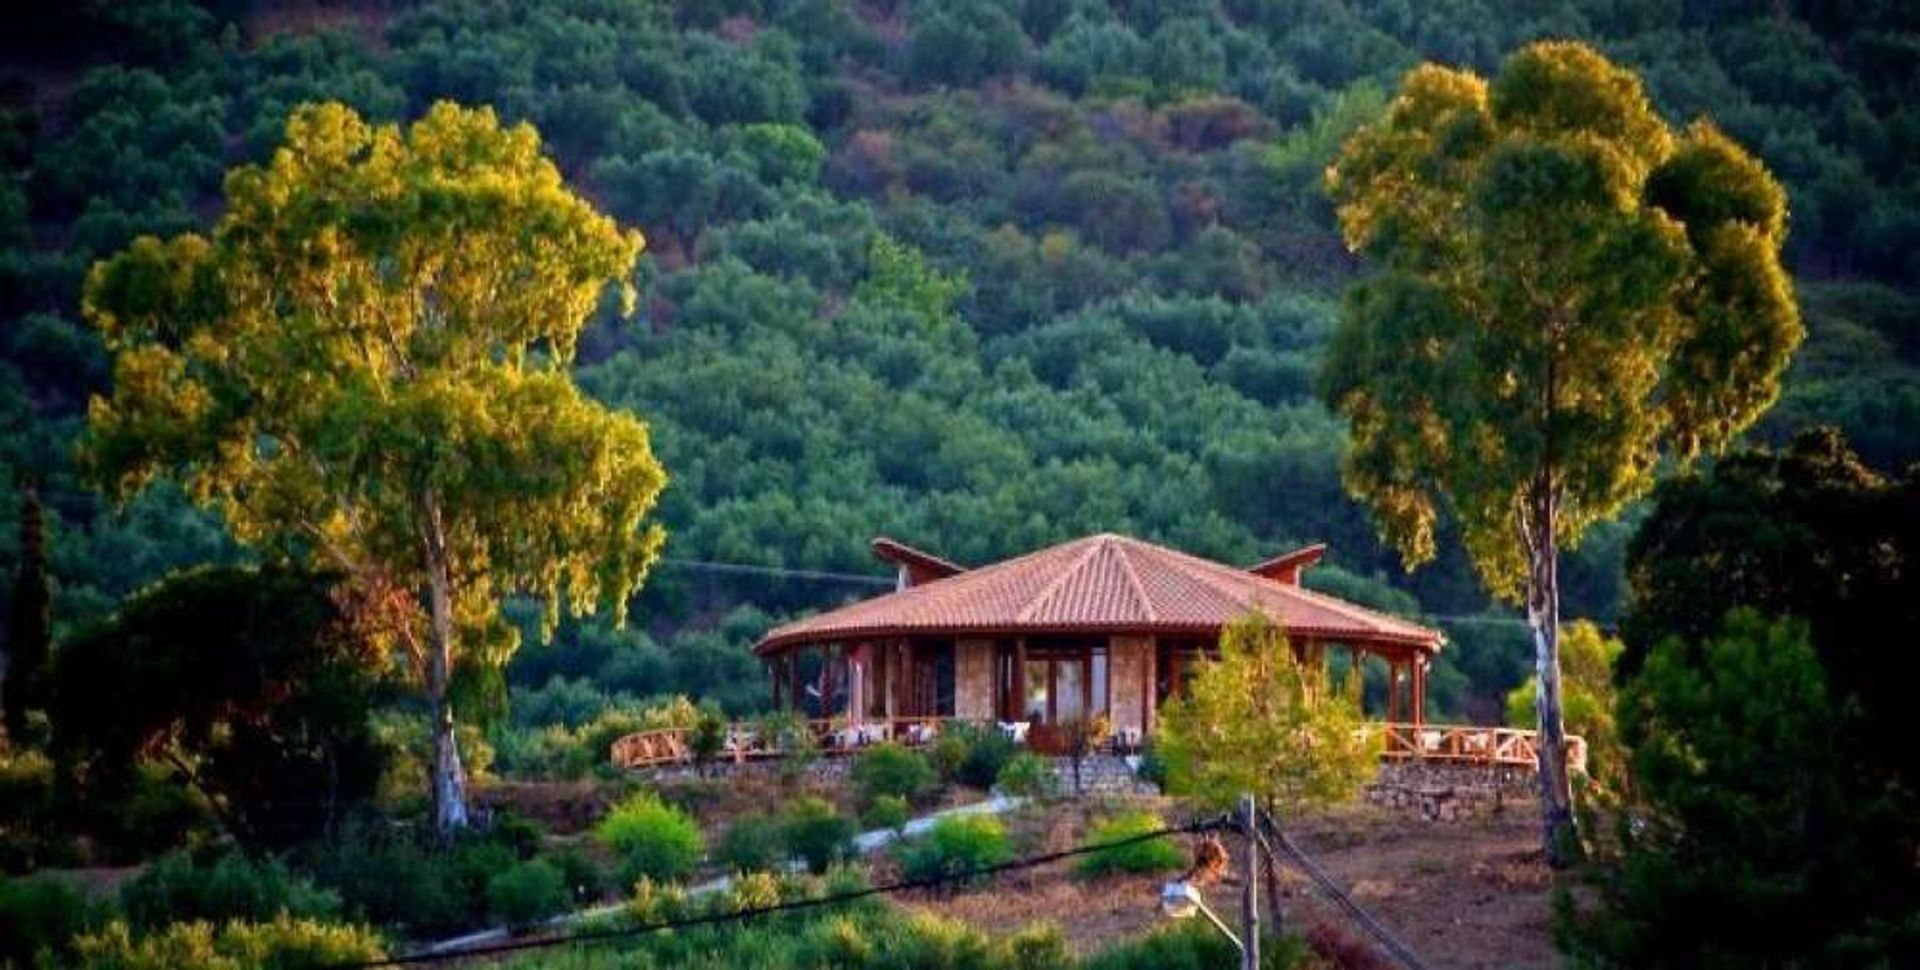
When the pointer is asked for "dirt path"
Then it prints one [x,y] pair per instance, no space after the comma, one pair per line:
[1470,894]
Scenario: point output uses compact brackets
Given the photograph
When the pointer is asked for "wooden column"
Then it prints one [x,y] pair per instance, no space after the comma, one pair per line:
[1393,693]
[1419,690]
[1018,702]
[793,679]
[1359,675]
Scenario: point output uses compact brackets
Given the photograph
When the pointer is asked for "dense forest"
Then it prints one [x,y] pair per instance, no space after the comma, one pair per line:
[980,275]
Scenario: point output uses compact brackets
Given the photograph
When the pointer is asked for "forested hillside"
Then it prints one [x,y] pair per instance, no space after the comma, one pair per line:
[981,274]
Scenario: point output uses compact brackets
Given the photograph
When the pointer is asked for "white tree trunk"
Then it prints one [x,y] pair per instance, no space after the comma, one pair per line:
[1560,829]
[448,779]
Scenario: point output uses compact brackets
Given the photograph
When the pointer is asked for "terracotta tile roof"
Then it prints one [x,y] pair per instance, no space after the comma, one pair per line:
[1101,584]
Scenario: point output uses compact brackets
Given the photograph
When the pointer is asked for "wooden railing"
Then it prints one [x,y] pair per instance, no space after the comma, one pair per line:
[745,741]
[1443,743]
[1467,744]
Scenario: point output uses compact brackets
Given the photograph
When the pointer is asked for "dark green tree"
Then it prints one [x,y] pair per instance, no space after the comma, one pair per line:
[29,621]
[253,685]
[1749,844]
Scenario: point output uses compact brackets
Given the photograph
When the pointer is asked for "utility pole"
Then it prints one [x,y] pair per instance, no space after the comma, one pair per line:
[1249,891]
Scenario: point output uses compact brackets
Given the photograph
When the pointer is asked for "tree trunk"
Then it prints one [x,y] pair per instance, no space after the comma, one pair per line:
[1560,829]
[448,779]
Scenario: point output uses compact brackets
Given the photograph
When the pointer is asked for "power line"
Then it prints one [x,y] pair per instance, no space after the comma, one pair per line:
[1340,897]
[782,571]
[716,919]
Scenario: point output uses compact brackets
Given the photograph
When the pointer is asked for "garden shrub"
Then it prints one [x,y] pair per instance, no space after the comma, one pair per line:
[1153,767]
[1186,945]
[527,893]
[971,754]
[708,736]
[652,839]
[386,877]
[40,913]
[29,812]
[955,844]
[584,878]
[752,843]
[1025,775]
[817,834]
[285,943]
[177,888]
[889,769]
[521,835]
[888,812]
[658,903]
[1156,855]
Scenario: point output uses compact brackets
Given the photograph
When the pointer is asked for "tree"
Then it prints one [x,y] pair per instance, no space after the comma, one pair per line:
[1748,844]
[253,685]
[366,364]
[29,622]
[1259,721]
[1587,661]
[1566,293]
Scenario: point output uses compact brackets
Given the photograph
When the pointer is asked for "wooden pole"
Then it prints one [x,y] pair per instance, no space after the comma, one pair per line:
[1419,691]
[1249,888]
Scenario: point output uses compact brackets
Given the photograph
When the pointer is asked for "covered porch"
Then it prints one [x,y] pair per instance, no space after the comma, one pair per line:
[1040,687]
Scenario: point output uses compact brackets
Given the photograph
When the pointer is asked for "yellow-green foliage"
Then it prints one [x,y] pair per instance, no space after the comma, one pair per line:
[1152,855]
[652,839]
[283,944]
[369,360]
[1257,721]
[1566,291]
[955,844]
[1588,697]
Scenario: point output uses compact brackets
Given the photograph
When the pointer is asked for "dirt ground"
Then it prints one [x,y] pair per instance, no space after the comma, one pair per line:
[1470,894]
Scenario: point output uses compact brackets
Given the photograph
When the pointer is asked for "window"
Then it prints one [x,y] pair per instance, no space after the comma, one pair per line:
[1065,681]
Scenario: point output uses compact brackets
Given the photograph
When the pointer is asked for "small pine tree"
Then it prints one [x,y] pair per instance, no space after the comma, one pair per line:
[29,621]
[1258,721]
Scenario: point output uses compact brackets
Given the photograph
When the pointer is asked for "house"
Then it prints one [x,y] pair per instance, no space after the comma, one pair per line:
[1103,625]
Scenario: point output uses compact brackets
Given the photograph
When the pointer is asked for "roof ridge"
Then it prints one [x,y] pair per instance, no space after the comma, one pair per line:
[1335,604]
[1093,546]
[1139,588]
[1339,605]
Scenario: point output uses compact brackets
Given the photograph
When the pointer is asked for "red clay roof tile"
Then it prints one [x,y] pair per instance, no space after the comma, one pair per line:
[1102,583]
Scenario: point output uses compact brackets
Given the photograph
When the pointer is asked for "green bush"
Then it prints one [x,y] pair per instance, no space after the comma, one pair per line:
[177,888]
[1025,775]
[955,844]
[527,893]
[652,839]
[285,943]
[37,914]
[888,812]
[708,736]
[521,835]
[386,877]
[1152,768]
[889,769]
[817,834]
[752,843]
[1188,945]
[30,829]
[971,754]
[584,878]
[1156,855]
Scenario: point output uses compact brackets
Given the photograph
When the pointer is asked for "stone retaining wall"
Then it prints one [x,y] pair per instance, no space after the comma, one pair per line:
[1441,792]
[1102,774]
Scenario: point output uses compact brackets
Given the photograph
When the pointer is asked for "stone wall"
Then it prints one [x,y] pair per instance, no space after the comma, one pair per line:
[973,679]
[1101,774]
[1443,792]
